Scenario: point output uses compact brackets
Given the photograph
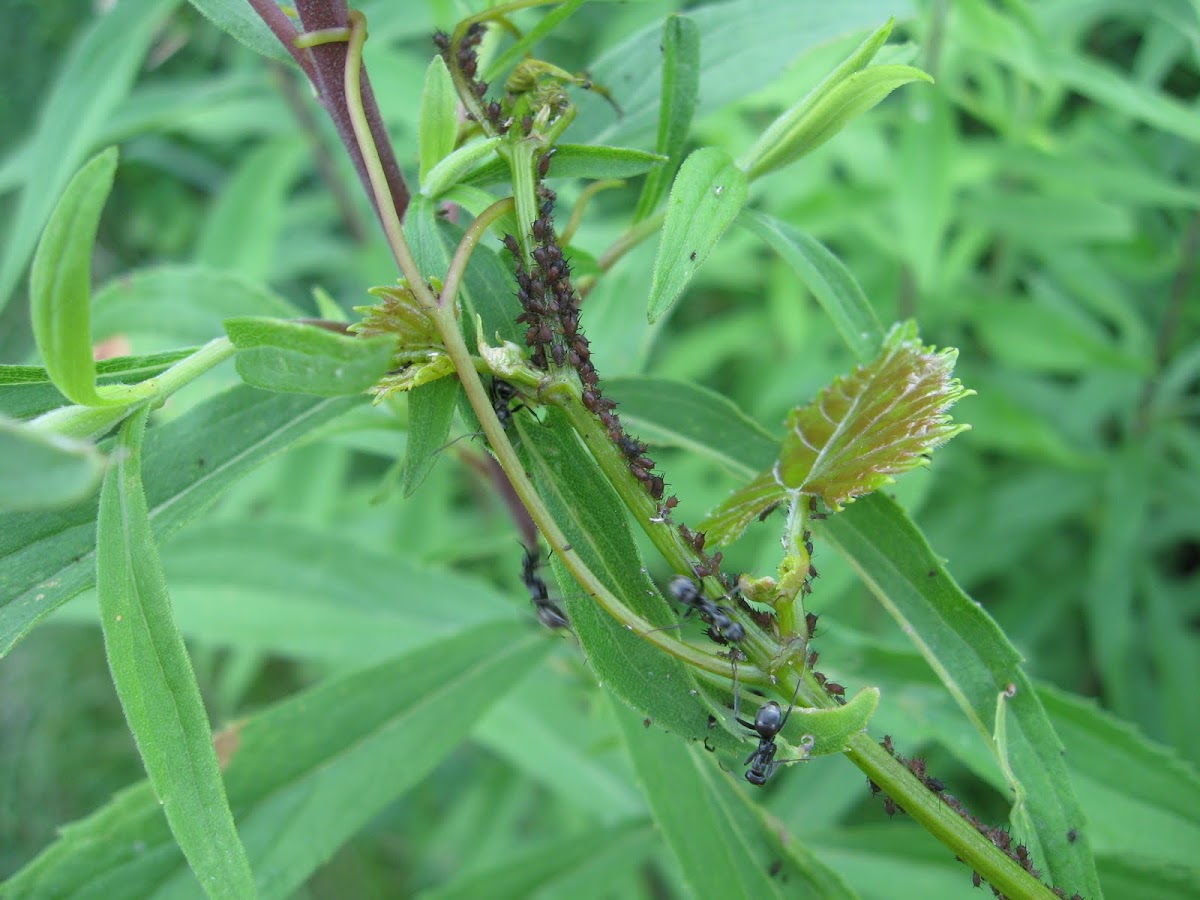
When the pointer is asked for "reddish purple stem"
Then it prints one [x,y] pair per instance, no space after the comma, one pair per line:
[325,66]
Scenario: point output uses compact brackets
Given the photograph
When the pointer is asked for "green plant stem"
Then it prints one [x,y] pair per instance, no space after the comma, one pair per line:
[936,817]
[89,422]
[456,348]
[462,254]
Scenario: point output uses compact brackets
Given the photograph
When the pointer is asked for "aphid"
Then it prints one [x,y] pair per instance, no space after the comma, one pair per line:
[762,516]
[547,610]
[514,247]
[810,623]
[544,162]
[631,447]
[768,722]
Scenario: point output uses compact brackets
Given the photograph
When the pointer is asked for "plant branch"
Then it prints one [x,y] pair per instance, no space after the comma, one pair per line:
[456,348]
[327,72]
[466,247]
[936,817]
[281,26]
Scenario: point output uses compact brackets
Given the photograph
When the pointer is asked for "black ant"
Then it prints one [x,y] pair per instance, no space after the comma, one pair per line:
[548,612]
[768,722]
[501,393]
[722,628]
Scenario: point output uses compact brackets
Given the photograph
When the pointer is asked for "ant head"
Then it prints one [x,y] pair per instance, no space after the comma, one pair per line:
[733,632]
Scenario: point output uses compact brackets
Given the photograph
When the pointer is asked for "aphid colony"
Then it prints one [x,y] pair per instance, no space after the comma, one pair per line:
[550,308]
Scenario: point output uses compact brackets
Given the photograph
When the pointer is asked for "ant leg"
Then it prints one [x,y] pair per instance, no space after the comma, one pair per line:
[792,704]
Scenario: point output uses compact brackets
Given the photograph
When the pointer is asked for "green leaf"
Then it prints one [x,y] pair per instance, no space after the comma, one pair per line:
[47,558]
[975,662]
[848,92]
[154,679]
[305,775]
[577,161]
[437,129]
[723,843]
[430,411]
[238,20]
[683,414]
[591,515]
[706,197]
[41,470]
[460,166]
[827,277]
[1157,790]
[730,520]
[680,84]
[580,866]
[60,282]
[92,80]
[831,729]
[303,359]
[876,423]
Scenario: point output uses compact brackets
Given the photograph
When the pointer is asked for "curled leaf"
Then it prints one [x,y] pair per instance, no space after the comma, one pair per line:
[857,434]
[420,356]
[876,423]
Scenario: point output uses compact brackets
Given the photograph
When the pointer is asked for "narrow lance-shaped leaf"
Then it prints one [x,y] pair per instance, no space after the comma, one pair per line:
[437,128]
[47,557]
[827,277]
[60,282]
[303,359]
[430,411]
[847,92]
[874,424]
[304,775]
[155,682]
[707,195]
[680,84]
[724,845]
[42,470]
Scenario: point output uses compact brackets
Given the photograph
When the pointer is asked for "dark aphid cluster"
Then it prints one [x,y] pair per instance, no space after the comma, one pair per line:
[1000,837]
[550,311]
[721,626]
[806,585]
[548,612]
[709,565]
[768,722]
[465,58]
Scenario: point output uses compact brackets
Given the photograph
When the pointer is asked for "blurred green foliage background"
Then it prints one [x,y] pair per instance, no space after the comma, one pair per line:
[1036,208]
